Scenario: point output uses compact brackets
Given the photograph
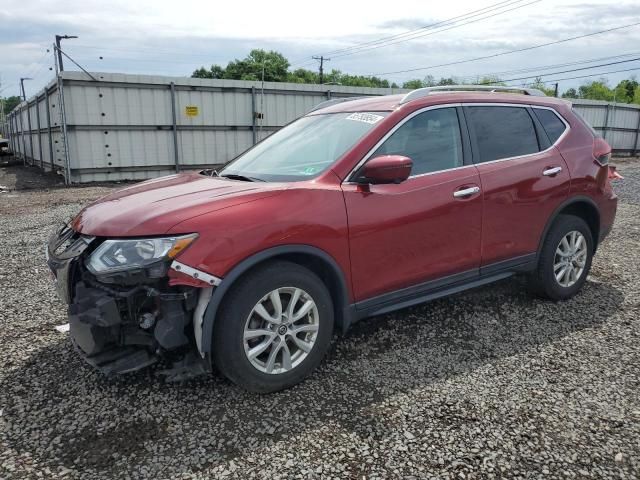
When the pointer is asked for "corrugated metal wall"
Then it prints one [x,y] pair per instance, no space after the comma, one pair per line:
[121,127]
[618,123]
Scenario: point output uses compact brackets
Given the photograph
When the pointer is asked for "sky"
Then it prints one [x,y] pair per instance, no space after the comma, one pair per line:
[174,38]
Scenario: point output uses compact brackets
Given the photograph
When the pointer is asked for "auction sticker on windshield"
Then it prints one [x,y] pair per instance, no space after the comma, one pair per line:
[365,117]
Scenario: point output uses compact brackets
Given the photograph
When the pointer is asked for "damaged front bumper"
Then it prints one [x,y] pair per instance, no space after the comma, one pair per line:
[129,322]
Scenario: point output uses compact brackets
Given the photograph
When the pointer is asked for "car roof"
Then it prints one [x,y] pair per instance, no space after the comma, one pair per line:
[389,103]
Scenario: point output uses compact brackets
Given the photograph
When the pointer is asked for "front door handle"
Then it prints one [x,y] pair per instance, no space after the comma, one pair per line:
[465,192]
[549,172]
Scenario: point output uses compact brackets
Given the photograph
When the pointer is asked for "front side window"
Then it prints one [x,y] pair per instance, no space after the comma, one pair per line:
[303,149]
[430,139]
[502,132]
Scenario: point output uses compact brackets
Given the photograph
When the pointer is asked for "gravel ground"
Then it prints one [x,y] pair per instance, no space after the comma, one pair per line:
[491,383]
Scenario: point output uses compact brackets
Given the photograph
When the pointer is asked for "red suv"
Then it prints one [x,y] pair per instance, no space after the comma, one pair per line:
[359,208]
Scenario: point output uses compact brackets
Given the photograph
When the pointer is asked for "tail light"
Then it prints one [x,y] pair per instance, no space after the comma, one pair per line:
[607,172]
[601,152]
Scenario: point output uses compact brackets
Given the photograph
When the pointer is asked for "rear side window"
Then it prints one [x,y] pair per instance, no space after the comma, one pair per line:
[431,139]
[502,132]
[553,126]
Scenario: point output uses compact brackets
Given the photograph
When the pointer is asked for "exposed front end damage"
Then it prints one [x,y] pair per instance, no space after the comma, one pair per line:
[124,321]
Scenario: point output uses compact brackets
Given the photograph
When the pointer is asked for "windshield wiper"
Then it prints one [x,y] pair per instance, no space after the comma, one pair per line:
[209,172]
[244,178]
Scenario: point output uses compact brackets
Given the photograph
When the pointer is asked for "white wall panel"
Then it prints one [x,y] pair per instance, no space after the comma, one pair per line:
[214,121]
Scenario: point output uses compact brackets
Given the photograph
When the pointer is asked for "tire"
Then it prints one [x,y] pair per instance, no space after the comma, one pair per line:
[543,281]
[237,317]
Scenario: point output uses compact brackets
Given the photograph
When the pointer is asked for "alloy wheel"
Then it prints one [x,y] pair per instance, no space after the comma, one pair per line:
[570,259]
[281,330]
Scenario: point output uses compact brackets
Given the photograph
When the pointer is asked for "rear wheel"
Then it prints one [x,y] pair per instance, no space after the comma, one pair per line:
[565,259]
[273,328]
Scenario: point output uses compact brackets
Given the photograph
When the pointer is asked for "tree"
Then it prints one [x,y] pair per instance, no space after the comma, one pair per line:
[275,67]
[490,80]
[302,75]
[250,68]
[413,84]
[339,78]
[447,81]
[9,103]
[625,90]
[540,85]
[216,71]
[570,93]
[429,81]
[636,96]
[596,90]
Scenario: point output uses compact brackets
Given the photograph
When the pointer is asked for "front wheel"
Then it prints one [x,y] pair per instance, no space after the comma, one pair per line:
[273,328]
[565,259]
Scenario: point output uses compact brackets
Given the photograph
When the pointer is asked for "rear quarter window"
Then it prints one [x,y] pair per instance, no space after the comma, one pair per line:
[553,126]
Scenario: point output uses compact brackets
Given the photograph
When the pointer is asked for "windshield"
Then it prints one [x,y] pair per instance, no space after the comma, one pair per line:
[302,149]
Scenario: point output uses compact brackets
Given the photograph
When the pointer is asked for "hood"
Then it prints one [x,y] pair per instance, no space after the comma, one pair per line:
[154,206]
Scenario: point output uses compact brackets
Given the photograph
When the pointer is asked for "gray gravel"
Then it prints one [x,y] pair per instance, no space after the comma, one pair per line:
[487,384]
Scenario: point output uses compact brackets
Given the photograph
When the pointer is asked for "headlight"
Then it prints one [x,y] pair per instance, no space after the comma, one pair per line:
[126,254]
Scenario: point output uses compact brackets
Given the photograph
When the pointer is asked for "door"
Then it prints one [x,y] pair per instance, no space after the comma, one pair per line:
[426,227]
[523,178]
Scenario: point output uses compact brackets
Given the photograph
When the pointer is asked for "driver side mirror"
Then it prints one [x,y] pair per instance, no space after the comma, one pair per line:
[386,169]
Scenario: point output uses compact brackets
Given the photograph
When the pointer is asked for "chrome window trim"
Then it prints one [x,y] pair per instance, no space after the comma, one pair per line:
[441,171]
[567,127]
[348,180]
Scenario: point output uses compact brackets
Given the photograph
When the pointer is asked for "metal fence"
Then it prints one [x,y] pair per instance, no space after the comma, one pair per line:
[128,127]
[618,123]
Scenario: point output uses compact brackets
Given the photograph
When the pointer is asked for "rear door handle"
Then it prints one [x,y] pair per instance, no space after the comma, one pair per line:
[551,171]
[465,192]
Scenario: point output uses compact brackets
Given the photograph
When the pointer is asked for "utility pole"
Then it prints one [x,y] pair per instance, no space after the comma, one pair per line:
[58,38]
[22,79]
[555,90]
[322,60]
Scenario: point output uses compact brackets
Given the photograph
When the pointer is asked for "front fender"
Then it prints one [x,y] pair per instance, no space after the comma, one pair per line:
[227,282]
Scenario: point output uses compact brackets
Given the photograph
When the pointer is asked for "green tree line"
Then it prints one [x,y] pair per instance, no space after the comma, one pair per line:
[626,91]
[9,103]
[276,69]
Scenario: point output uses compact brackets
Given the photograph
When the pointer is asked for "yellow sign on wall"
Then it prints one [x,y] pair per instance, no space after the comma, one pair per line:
[191,110]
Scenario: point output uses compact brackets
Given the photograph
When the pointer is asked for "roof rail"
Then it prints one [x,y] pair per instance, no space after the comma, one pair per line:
[423,92]
[334,101]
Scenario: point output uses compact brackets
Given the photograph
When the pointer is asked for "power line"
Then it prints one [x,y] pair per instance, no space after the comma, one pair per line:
[38,63]
[544,67]
[568,71]
[438,31]
[510,51]
[591,75]
[410,32]
[413,34]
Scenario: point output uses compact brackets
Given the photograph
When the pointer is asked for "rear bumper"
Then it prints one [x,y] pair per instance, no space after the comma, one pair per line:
[608,210]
